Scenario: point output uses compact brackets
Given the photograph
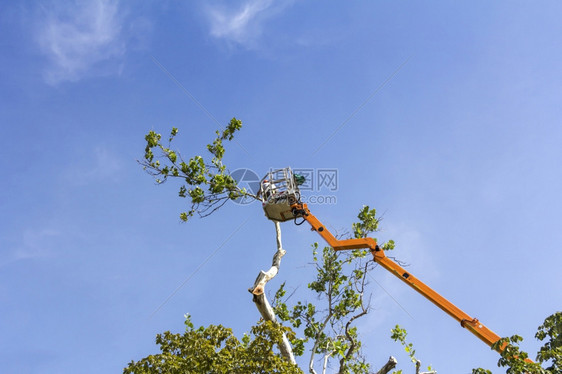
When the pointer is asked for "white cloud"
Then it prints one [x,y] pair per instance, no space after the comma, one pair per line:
[244,25]
[80,36]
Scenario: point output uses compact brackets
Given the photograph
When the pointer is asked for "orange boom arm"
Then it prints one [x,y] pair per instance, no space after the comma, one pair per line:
[472,324]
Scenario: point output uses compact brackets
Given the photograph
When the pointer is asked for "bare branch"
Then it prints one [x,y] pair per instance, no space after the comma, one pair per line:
[391,364]
[364,311]
[325,364]
[317,342]
[265,276]
[260,299]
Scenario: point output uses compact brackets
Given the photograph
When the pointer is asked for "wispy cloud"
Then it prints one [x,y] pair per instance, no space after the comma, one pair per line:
[105,166]
[243,25]
[79,37]
[33,244]
[391,295]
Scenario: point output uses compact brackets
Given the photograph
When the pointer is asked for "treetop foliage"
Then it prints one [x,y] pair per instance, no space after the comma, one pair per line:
[215,350]
[367,224]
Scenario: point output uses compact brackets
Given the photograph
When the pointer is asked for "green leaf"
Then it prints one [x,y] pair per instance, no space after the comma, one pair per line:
[172,156]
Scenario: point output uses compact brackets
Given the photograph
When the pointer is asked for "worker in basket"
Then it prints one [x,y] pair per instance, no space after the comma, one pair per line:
[299,179]
[269,189]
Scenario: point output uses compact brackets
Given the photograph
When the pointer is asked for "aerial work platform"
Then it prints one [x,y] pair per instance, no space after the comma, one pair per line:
[279,191]
[281,200]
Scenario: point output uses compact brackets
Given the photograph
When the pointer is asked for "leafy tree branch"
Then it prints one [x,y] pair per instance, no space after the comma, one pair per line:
[340,283]
[515,360]
[207,183]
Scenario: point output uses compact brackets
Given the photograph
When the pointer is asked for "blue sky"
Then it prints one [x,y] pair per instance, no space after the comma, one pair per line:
[445,117]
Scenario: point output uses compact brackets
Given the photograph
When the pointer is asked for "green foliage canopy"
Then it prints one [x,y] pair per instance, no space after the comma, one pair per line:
[215,350]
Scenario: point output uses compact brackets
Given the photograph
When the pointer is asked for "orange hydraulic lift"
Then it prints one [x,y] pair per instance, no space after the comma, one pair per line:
[281,202]
[466,321]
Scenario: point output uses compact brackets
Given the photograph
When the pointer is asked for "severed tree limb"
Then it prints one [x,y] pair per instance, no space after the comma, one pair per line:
[391,364]
[418,365]
[267,313]
[259,298]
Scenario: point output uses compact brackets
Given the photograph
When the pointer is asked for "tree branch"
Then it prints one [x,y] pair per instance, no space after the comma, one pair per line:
[364,311]
[325,365]
[352,342]
[259,298]
[391,364]
[317,342]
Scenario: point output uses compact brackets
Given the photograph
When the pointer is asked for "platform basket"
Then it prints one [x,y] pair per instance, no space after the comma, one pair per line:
[278,191]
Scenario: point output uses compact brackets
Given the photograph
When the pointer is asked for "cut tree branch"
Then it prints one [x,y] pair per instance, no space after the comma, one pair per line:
[391,364]
[259,298]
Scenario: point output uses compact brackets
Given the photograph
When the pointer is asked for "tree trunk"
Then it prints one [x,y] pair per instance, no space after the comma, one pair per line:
[259,298]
